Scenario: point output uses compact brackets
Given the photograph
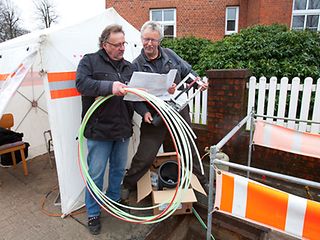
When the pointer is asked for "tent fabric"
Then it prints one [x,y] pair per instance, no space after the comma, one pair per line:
[13,80]
[47,97]
[28,103]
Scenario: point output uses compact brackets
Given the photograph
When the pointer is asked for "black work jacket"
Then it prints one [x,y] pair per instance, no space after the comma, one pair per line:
[166,61]
[112,120]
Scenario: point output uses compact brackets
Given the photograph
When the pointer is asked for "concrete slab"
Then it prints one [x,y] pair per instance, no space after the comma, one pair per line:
[22,217]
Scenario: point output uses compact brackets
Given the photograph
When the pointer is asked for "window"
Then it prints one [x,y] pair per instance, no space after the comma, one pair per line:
[167,19]
[305,15]
[232,20]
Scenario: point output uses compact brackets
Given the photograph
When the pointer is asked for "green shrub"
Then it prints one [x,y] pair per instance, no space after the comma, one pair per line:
[188,48]
[266,51]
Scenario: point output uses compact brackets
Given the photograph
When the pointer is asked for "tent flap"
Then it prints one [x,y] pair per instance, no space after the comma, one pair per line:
[14,79]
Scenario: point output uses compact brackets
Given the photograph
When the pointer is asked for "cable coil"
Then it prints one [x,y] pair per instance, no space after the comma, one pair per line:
[182,137]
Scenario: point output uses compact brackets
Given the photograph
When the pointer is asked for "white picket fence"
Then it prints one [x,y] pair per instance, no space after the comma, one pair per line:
[286,101]
[198,106]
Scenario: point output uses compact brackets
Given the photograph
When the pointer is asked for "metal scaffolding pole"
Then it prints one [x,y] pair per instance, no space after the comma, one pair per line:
[270,174]
[213,152]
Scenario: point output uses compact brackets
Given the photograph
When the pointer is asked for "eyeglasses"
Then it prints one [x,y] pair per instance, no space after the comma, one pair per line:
[146,40]
[118,45]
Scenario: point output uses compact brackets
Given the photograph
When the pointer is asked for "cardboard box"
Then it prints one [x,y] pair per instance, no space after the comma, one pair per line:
[144,188]
[163,157]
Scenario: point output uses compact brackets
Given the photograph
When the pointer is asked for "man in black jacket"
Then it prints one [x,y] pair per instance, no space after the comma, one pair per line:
[109,128]
[156,59]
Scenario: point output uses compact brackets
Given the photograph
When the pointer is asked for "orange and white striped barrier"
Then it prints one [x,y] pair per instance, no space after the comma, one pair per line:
[286,139]
[261,204]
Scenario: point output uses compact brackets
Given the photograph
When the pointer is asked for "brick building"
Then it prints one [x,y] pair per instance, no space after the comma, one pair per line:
[213,19]
[227,95]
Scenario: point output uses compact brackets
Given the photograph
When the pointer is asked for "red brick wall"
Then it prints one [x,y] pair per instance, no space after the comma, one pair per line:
[253,16]
[201,18]
[268,12]
[206,18]
[243,13]
[276,12]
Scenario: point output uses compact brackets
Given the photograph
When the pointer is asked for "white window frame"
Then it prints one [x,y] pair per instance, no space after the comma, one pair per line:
[236,20]
[306,12]
[166,23]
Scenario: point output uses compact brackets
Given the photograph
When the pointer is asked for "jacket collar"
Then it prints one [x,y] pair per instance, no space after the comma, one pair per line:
[162,54]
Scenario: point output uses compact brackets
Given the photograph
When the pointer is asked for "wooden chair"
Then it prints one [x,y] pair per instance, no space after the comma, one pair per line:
[7,122]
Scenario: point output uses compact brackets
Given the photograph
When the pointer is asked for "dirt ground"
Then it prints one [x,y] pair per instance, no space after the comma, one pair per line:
[27,209]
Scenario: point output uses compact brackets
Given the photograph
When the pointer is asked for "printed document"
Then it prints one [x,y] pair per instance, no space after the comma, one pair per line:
[153,83]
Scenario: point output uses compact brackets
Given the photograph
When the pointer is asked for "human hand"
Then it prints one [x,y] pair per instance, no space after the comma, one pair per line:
[202,85]
[172,89]
[147,117]
[118,89]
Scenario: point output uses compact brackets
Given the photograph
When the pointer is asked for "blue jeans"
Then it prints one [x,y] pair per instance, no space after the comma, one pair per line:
[99,152]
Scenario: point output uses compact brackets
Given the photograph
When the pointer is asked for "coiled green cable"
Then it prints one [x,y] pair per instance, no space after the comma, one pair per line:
[182,136]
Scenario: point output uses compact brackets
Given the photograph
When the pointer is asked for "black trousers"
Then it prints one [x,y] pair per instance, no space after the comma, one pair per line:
[151,138]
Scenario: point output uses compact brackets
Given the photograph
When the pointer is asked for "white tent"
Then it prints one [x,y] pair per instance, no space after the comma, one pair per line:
[37,84]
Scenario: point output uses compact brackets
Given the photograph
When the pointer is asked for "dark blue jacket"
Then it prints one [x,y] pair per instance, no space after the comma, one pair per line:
[95,76]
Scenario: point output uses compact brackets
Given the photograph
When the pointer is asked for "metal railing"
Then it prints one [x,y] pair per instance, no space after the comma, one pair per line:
[214,161]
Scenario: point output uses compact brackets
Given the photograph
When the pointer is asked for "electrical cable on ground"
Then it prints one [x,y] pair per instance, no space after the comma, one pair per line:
[54,214]
[42,204]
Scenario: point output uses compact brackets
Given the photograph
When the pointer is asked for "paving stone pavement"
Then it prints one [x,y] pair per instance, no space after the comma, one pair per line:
[22,218]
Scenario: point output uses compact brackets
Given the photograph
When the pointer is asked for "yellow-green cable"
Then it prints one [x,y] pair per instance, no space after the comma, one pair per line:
[201,221]
[178,127]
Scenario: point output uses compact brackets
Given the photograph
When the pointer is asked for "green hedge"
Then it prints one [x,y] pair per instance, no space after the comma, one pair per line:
[264,50]
[189,48]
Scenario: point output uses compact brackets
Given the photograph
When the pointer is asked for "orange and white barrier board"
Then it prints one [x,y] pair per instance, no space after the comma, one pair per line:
[286,139]
[261,204]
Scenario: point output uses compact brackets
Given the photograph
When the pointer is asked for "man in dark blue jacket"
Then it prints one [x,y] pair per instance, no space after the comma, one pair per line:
[155,59]
[109,128]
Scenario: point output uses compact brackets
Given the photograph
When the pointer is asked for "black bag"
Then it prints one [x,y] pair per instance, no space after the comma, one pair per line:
[6,159]
[8,136]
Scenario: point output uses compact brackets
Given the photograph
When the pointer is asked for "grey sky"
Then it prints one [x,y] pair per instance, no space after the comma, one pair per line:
[70,11]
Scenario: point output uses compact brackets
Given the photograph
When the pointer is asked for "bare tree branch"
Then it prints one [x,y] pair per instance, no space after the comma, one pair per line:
[45,13]
[9,21]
